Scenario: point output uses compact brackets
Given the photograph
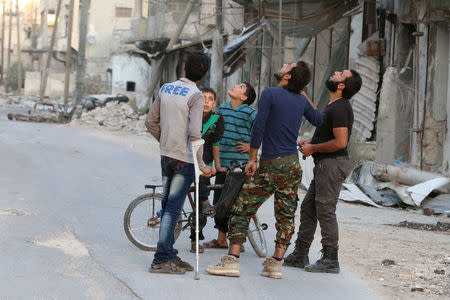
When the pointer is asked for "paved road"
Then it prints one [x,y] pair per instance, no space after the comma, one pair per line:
[62,199]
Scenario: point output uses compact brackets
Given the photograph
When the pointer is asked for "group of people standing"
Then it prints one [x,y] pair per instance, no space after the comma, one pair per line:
[182,113]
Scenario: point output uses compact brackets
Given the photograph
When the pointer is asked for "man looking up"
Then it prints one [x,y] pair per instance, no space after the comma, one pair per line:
[332,165]
[280,112]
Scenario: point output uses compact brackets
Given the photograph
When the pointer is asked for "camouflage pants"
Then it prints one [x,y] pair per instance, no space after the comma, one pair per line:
[280,176]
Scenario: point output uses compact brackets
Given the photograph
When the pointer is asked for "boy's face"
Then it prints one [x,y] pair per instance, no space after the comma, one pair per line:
[238,91]
[210,102]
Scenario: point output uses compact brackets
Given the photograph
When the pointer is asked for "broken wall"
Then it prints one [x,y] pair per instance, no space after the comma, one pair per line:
[130,77]
[394,119]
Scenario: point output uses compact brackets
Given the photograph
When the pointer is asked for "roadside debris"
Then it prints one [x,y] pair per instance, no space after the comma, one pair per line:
[365,185]
[94,101]
[45,112]
[417,289]
[439,272]
[117,116]
[439,226]
[388,262]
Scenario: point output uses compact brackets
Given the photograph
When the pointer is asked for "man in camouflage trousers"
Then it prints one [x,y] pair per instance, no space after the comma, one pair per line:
[280,112]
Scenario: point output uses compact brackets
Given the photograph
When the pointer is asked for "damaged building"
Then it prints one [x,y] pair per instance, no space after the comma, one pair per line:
[401,49]
[411,45]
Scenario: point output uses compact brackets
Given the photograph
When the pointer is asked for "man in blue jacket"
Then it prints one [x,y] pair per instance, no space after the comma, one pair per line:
[280,112]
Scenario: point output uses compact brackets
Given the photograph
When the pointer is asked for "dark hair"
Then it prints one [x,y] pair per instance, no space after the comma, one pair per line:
[250,93]
[352,85]
[196,66]
[300,77]
[209,90]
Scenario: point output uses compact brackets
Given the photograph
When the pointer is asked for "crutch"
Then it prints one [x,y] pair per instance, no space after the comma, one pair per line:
[195,146]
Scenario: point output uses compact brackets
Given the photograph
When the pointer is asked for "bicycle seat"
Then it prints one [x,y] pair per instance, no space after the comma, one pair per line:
[152,186]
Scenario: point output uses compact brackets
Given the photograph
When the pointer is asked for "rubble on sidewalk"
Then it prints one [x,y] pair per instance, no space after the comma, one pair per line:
[369,184]
[94,101]
[117,116]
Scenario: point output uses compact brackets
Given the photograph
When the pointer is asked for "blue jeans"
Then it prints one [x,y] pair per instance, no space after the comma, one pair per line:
[177,177]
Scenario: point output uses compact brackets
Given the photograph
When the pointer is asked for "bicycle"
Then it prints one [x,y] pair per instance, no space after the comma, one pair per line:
[144,213]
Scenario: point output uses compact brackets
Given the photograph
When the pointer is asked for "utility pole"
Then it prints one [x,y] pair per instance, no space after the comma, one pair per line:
[81,58]
[44,75]
[9,34]
[19,58]
[216,78]
[3,41]
[68,55]
[159,65]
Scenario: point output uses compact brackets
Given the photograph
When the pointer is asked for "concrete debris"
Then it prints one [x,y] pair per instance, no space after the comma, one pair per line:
[363,186]
[428,211]
[417,289]
[118,116]
[439,272]
[403,174]
[94,101]
[388,262]
[439,226]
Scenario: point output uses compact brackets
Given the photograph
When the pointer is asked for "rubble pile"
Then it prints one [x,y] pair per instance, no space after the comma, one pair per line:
[117,116]
[409,188]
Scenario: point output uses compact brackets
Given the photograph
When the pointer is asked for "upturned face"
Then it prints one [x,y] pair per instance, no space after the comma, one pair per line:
[238,91]
[283,70]
[337,78]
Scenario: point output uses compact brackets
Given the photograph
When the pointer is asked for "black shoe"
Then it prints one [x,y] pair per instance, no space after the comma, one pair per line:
[327,264]
[299,258]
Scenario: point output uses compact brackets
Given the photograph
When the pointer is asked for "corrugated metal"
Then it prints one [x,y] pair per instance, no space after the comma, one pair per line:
[302,18]
[364,102]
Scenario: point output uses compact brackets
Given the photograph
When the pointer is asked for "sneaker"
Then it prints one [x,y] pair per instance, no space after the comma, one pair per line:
[227,266]
[272,268]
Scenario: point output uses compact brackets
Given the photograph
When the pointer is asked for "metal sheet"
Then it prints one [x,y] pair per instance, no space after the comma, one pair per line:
[364,102]
[440,204]
[354,194]
[419,191]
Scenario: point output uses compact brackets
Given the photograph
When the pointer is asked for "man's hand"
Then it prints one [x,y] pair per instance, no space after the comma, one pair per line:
[307,149]
[303,142]
[242,147]
[221,170]
[250,168]
[208,171]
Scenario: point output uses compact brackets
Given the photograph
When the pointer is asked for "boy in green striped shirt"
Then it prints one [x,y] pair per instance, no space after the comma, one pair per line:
[212,130]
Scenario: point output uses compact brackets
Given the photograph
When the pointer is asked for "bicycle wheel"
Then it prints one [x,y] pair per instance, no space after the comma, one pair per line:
[141,221]
[256,237]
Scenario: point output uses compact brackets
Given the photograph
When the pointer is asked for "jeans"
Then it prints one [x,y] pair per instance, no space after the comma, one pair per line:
[177,177]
